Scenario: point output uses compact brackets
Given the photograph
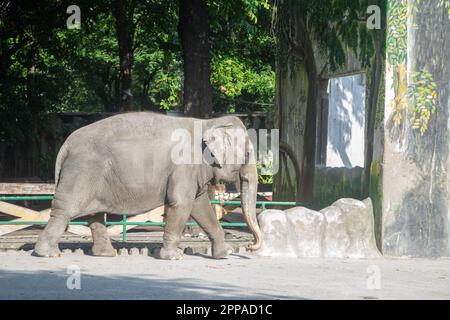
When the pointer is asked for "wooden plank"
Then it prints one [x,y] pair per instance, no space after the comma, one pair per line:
[79,230]
[218,209]
[35,216]
[25,214]
[27,188]
[15,210]
[155,215]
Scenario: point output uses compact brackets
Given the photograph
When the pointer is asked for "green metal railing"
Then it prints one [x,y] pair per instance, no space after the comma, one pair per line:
[263,205]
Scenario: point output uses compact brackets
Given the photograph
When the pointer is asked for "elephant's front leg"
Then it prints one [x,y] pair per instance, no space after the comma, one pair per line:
[177,215]
[204,215]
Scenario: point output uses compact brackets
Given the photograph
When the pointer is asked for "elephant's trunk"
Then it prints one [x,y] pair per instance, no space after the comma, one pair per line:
[249,186]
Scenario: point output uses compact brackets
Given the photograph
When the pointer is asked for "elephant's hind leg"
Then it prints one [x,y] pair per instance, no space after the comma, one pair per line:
[102,243]
[47,244]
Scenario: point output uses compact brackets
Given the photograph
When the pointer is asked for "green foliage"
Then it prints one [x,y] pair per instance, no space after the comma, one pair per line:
[242,70]
[396,43]
[78,70]
[263,178]
[47,68]
[89,54]
[421,93]
[265,169]
[29,75]
[446,5]
[423,98]
[241,86]
[334,25]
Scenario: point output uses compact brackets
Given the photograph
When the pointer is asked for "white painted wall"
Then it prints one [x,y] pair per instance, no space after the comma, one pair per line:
[346,120]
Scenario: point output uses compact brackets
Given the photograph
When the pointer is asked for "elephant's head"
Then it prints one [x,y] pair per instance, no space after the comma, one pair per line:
[230,152]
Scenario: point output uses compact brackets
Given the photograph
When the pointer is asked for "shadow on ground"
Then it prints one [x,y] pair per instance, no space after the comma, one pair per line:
[53,285]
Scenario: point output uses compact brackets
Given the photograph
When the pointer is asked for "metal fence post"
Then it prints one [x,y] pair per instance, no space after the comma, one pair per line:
[124,226]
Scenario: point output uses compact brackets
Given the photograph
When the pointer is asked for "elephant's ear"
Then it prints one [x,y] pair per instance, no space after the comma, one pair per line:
[219,142]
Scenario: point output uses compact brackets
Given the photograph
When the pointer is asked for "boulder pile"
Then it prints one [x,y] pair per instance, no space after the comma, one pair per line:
[343,230]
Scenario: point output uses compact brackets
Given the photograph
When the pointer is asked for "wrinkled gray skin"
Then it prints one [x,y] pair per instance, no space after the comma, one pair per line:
[124,164]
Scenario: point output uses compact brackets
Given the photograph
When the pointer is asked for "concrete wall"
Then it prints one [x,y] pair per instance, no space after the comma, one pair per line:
[331,184]
[416,162]
[290,112]
[346,119]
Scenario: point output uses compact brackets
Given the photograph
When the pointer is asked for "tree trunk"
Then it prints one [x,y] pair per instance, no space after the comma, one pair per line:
[123,12]
[31,91]
[372,101]
[296,98]
[309,154]
[32,139]
[193,31]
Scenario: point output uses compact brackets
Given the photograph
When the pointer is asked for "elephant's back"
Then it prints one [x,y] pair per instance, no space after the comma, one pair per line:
[134,124]
[127,144]
[121,162]
[122,134]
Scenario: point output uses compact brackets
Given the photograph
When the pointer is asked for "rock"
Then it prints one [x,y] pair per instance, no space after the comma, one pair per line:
[201,235]
[67,251]
[343,230]
[242,250]
[276,239]
[155,252]
[79,251]
[229,235]
[134,251]
[144,251]
[123,252]
[304,227]
[350,229]
[202,251]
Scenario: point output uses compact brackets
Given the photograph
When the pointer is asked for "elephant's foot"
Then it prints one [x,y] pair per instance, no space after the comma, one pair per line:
[171,254]
[45,250]
[47,244]
[221,250]
[103,250]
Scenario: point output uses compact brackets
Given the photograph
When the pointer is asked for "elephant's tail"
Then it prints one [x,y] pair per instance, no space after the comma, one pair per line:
[59,161]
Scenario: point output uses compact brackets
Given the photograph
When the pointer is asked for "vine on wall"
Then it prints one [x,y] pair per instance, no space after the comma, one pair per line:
[419,97]
[423,98]
[396,51]
[446,5]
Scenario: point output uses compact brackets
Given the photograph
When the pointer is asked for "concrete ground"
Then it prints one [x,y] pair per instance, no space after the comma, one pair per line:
[242,276]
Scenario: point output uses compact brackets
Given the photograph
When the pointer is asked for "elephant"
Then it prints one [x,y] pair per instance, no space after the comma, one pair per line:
[126,164]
